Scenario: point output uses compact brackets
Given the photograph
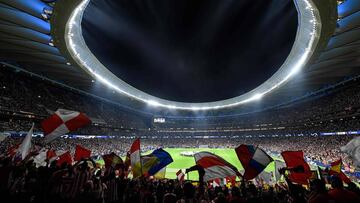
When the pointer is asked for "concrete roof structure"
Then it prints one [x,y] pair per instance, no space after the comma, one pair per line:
[33,37]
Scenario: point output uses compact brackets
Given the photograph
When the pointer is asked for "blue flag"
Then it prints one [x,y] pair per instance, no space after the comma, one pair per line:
[162,160]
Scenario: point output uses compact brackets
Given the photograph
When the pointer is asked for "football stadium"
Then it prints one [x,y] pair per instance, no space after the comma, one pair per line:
[180,101]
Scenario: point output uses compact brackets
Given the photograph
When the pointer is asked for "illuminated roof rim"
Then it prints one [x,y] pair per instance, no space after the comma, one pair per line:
[307,38]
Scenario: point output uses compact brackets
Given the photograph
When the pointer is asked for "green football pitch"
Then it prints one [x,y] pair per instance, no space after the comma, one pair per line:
[183,162]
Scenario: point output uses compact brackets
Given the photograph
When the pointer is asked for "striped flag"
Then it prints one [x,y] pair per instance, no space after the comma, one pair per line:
[180,175]
[335,169]
[112,160]
[135,158]
[160,174]
[62,122]
[154,162]
[253,159]
[214,166]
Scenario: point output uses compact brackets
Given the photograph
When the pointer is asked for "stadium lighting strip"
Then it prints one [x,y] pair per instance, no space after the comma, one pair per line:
[307,38]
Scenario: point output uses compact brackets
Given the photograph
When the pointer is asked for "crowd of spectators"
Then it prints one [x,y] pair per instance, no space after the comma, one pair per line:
[324,149]
[89,182]
[31,99]
[35,99]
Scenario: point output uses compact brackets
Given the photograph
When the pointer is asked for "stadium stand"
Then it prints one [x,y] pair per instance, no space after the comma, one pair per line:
[336,110]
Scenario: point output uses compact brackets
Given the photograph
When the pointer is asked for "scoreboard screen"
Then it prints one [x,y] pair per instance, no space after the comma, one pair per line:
[159,120]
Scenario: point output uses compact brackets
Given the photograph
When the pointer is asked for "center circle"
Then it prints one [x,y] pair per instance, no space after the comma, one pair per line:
[191,51]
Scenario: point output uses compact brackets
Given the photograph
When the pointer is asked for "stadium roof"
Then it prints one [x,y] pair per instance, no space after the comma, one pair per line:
[33,42]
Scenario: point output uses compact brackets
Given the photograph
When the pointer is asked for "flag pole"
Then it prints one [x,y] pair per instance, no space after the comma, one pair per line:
[141,168]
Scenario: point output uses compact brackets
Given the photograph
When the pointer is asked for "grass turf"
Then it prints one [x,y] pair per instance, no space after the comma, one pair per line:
[182,162]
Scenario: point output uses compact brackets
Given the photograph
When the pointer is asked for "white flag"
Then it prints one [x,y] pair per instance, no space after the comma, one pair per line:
[40,159]
[278,164]
[24,148]
[266,177]
[353,150]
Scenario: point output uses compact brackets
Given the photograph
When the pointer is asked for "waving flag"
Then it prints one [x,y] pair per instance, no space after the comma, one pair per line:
[344,178]
[353,150]
[127,161]
[253,159]
[155,161]
[135,158]
[266,177]
[161,174]
[335,169]
[81,152]
[214,166]
[62,122]
[24,148]
[299,169]
[147,162]
[180,175]
[64,158]
[40,159]
[112,160]
[51,154]
[278,165]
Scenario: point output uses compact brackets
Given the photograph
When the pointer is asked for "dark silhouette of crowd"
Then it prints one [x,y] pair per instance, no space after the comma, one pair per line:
[87,182]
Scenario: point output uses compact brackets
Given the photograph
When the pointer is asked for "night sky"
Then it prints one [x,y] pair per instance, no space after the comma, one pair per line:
[191,50]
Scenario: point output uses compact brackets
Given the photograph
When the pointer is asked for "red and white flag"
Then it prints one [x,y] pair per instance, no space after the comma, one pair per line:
[135,158]
[64,158]
[62,122]
[52,155]
[214,166]
[81,153]
[180,175]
